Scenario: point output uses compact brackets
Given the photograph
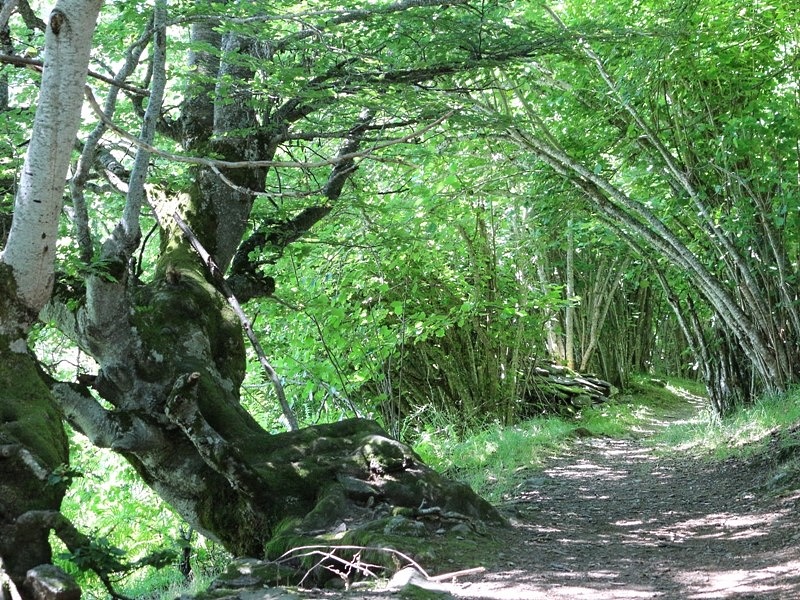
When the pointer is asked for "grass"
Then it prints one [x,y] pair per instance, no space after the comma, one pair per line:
[491,459]
[747,431]
[669,414]
[165,585]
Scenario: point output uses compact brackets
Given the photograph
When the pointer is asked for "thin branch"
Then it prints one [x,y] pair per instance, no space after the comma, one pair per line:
[136,192]
[455,574]
[216,274]
[250,164]
[31,19]
[89,152]
[351,16]
[37,65]
[308,550]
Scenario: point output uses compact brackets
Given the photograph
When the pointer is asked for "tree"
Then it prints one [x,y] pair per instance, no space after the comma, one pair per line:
[33,444]
[260,94]
[684,175]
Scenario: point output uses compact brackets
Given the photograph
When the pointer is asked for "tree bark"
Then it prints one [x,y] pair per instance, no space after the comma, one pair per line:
[33,444]
[569,316]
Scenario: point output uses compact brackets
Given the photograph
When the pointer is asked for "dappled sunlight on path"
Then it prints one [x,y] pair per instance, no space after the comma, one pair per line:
[614,520]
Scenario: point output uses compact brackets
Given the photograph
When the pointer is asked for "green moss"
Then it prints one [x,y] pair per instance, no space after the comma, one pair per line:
[181,302]
[29,416]
[378,542]
[285,538]
[30,421]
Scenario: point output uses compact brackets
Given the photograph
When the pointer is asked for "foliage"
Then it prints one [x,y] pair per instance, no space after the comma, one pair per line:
[136,538]
[654,145]
[492,459]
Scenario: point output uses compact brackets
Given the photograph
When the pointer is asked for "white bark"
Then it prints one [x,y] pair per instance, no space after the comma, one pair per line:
[30,249]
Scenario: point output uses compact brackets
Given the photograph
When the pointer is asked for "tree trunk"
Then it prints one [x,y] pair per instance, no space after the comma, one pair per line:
[178,420]
[168,346]
[33,444]
[569,316]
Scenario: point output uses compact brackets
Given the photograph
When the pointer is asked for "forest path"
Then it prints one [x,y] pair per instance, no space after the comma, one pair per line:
[613,519]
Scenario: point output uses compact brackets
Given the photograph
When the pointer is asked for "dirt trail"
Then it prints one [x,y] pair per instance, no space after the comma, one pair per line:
[611,520]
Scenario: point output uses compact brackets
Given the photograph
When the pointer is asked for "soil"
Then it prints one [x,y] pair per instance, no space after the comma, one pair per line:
[615,519]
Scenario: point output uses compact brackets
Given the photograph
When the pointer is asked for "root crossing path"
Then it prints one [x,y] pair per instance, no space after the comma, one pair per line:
[614,519]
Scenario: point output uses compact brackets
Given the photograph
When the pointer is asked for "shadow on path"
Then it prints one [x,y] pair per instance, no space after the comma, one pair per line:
[614,521]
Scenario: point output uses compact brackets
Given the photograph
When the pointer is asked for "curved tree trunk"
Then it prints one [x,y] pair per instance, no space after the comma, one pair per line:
[168,346]
[171,354]
[178,420]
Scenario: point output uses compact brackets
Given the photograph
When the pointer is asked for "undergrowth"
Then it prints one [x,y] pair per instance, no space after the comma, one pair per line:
[493,459]
[670,415]
[490,459]
[750,430]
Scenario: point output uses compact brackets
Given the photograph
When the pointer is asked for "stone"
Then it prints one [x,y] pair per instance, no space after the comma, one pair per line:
[398,525]
[49,582]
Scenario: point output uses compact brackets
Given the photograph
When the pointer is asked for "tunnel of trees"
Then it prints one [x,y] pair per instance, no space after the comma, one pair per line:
[408,206]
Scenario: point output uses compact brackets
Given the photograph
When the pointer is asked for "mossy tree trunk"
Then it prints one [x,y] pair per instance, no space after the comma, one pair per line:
[171,364]
[33,446]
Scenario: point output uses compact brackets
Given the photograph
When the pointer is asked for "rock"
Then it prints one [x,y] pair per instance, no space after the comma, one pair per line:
[461,529]
[357,488]
[49,582]
[398,525]
[250,572]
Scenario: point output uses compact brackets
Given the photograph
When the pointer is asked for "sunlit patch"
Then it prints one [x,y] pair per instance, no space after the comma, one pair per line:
[722,525]
[734,582]
[600,584]
[586,470]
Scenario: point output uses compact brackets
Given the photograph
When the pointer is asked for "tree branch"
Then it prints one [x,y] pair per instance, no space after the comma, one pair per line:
[223,457]
[37,65]
[280,235]
[104,428]
[89,152]
[250,164]
[136,192]
[219,279]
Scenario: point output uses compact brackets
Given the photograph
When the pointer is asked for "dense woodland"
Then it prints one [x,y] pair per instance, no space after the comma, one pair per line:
[254,248]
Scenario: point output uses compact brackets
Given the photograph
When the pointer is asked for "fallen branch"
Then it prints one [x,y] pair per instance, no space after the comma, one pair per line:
[318,549]
[456,574]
